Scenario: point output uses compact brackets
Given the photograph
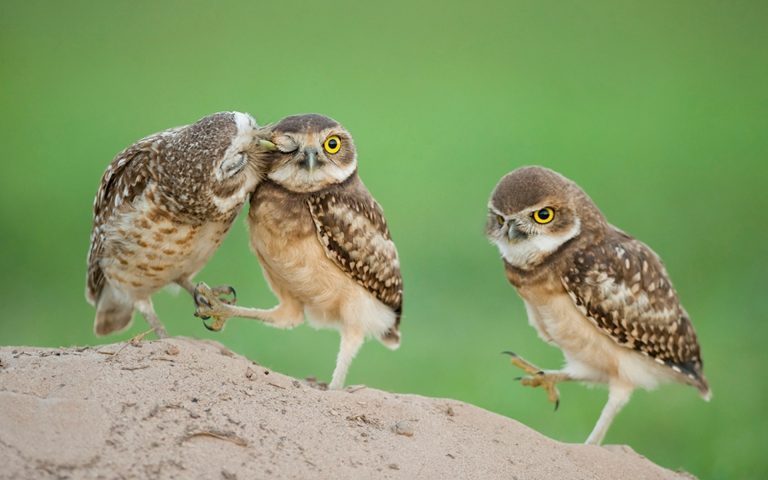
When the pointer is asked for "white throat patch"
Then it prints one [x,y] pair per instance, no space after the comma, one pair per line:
[299,179]
[526,253]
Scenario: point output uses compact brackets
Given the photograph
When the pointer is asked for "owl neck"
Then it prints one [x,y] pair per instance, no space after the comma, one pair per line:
[350,180]
[554,263]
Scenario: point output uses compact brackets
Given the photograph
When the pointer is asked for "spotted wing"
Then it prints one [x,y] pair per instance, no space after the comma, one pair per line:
[124,180]
[623,288]
[352,229]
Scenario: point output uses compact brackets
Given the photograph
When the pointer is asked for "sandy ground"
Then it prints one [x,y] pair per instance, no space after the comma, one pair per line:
[182,408]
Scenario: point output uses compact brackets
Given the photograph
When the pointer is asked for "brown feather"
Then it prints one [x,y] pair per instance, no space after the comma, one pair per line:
[124,180]
[351,228]
[622,286]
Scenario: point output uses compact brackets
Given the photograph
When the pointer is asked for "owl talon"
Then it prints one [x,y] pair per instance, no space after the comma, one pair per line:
[547,382]
[538,378]
[524,365]
[201,292]
[201,301]
[209,305]
[216,326]
[222,292]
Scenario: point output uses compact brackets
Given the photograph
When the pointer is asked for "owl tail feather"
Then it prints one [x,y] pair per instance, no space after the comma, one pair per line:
[113,313]
[391,338]
[704,390]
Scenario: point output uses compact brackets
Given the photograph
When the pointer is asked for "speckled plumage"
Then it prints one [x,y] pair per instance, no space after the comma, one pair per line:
[322,242]
[352,229]
[601,296]
[623,288]
[163,206]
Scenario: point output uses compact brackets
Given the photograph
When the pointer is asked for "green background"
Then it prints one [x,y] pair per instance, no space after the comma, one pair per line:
[658,109]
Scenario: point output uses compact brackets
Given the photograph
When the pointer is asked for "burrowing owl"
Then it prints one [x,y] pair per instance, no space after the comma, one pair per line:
[163,206]
[322,242]
[595,292]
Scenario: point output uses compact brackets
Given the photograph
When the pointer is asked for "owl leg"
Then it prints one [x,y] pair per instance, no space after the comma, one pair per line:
[222,291]
[148,312]
[537,377]
[288,314]
[618,396]
[351,341]
[186,284]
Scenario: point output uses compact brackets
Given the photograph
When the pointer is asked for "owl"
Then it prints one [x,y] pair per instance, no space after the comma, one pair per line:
[322,242]
[163,207]
[601,296]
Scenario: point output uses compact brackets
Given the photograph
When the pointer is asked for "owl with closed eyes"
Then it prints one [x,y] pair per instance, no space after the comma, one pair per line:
[163,207]
[322,241]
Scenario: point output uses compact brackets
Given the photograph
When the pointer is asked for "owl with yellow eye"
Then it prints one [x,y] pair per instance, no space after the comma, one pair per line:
[601,296]
[322,241]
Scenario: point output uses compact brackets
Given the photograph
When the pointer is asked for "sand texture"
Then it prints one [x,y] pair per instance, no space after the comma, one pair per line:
[183,408]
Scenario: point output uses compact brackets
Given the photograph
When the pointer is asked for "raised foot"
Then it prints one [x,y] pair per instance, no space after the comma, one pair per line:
[538,378]
[212,302]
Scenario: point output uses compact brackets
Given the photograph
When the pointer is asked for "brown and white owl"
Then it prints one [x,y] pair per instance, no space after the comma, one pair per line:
[322,242]
[163,207]
[601,296]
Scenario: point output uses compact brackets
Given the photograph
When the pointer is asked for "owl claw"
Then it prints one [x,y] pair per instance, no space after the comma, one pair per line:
[216,326]
[208,305]
[200,301]
[200,298]
[223,291]
[210,328]
[538,378]
[547,382]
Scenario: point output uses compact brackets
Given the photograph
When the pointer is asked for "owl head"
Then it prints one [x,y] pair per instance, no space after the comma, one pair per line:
[312,152]
[533,212]
[211,165]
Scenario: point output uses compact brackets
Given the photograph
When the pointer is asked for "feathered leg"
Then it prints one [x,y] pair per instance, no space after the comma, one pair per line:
[351,341]
[618,396]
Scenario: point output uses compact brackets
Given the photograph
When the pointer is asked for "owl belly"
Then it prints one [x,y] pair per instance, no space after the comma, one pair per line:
[590,354]
[295,263]
[147,250]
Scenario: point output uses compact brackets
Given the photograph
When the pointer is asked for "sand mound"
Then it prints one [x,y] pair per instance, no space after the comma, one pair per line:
[184,408]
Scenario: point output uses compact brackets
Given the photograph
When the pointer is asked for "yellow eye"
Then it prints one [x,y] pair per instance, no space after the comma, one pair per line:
[545,215]
[332,144]
[500,220]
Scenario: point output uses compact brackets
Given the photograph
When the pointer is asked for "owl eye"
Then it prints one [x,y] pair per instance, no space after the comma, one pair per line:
[545,215]
[500,220]
[332,144]
[235,165]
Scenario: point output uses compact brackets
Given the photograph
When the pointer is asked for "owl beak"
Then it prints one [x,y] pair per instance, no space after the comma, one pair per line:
[311,159]
[267,145]
[514,234]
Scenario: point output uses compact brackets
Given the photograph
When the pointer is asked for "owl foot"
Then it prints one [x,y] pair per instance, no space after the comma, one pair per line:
[209,303]
[223,291]
[545,381]
[539,378]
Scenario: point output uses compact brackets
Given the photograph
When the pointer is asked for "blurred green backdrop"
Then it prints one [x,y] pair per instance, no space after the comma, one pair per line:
[658,109]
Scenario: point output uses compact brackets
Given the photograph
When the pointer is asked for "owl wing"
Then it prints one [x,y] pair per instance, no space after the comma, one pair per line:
[124,180]
[623,288]
[352,230]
